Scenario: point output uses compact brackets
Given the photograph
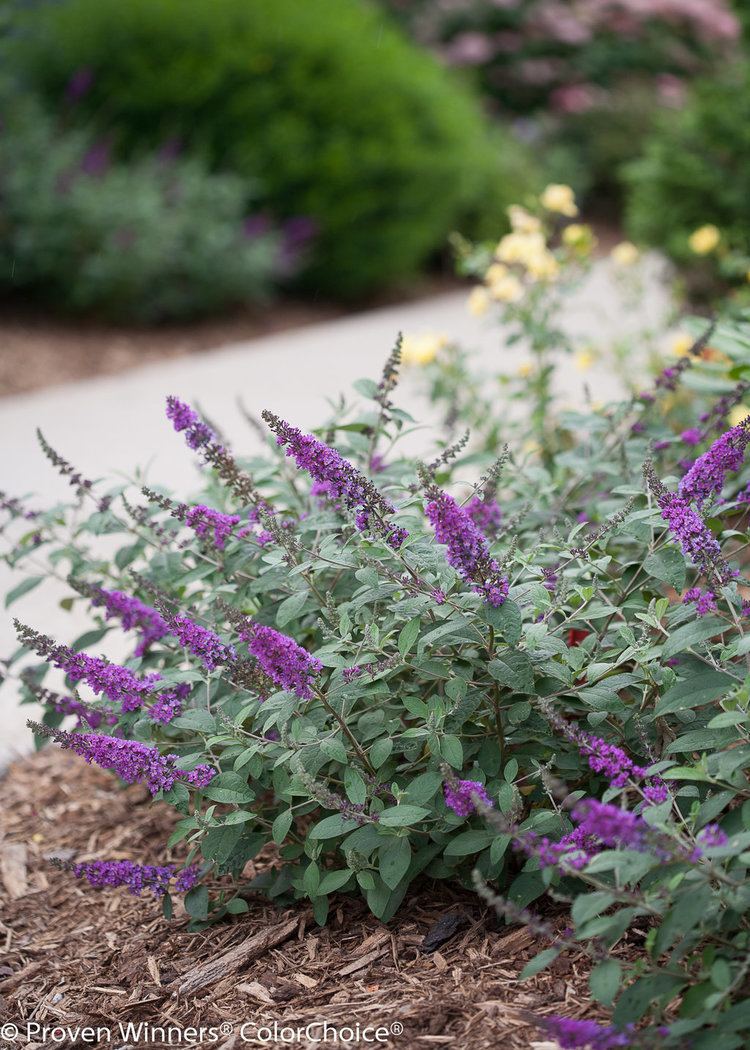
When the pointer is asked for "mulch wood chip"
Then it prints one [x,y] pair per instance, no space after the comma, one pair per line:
[71,955]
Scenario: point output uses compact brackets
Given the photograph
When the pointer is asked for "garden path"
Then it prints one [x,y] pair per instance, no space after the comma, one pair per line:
[107,426]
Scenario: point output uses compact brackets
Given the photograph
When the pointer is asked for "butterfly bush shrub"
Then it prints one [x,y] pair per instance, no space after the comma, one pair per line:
[519,661]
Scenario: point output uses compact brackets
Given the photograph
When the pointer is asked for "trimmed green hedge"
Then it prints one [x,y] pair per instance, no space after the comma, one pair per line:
[324,101]
[696,169]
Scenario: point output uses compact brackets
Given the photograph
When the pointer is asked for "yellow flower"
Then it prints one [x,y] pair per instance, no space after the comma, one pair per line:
[479,301]
[523,221]
[584,359]
[579,237]
[559,198]
[525,369]
[520,247]
[503,285]
[704,240]
[625,254]
[681,344]
[423,348]
[738,413]
[543,266]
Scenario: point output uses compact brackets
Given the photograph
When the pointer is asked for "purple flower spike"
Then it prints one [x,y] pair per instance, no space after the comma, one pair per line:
[704,601]
[486,514]
[458,796]
[133,614]
[287,664]
[205,520]
[201,642]
[136,878]
[696,539]
[338,479]
[468,551]
[570,1034]
[183,417]
[706,476]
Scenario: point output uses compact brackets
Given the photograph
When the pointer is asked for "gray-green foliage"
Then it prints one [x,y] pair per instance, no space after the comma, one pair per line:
[151,240]
[349,782]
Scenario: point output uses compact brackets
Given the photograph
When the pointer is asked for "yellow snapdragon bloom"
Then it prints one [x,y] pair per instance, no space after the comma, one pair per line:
[423,348]
[559,198]
[705,239]
[738,413]
[579,237]
[523,221]
[478,302]
[625,254]
[525,369]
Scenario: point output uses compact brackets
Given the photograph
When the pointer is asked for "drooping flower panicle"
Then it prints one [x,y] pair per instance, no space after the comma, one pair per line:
[707,475]
[201,642]
[136,878]
[341,479]
[460,796]
[184,418]
[284,661]
[133,614]
[468,551]
[132,761]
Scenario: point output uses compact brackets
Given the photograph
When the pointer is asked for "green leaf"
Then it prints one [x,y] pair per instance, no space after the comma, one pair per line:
[688,693]
[605,980]
[355,787]
[290,608]
[423,787]
[408,635]
[281,825]
[380,751]
[334,880]
[636,1000]
[667,565]
[538,963]
[513,669]
[587,905]
[691,634]
[395,858]
[238,906]
[334,749]
[196,903]
[228,787]
[331,827]
[22,588]
[506,619]
[402,816]
[311,880]
[198,719]
[472,841]
[452,751]
[219,842]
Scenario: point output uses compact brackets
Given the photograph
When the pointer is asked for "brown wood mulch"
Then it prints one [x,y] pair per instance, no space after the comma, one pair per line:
[72,955]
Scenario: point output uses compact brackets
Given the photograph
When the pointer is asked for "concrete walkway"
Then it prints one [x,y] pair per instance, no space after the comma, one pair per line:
[110,426]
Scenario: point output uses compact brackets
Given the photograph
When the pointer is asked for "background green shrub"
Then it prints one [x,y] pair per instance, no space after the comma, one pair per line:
[152,240]
[341,119]
[696,169]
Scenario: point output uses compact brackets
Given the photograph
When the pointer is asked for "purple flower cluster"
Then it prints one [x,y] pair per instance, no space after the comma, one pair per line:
[133,615]
[339,479]
[287,664]
[458,796]
[712,836]
[201,642]
[612,826]
[350,673]
[704,601]
[204,520]
[707,475]
[136,877]
[486,514]
[131,760]
[117,683]
[691,436]
[570,1034]
[167,706]
[184,418]
[84,713]
[695,538]
[468,551]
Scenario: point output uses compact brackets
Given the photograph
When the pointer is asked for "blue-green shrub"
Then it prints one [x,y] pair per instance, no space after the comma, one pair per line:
[149,240]
[338,115]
